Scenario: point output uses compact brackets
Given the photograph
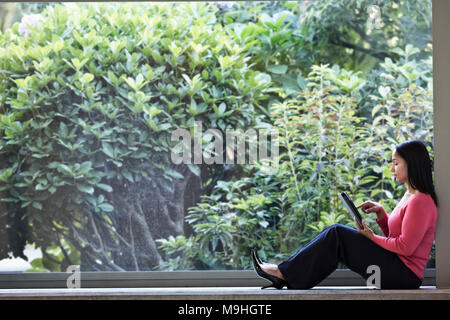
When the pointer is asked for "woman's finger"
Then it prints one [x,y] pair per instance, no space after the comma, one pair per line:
[357,225]
[365,206]
[368,208]
[361,205]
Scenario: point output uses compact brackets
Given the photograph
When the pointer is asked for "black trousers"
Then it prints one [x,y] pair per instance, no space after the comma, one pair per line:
[339,243]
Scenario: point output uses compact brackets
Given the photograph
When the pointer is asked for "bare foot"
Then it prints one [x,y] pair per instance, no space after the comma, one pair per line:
[272,269]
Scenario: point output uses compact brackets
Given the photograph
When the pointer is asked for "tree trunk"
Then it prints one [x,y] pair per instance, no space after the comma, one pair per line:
[125,239]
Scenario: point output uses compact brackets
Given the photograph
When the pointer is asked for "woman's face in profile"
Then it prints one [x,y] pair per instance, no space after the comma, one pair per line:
[399,168]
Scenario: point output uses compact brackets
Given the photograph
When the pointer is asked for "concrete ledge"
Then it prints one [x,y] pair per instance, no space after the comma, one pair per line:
[225,293]
[174,279]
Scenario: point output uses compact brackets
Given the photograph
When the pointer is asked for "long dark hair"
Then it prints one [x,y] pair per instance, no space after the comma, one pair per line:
[420,166]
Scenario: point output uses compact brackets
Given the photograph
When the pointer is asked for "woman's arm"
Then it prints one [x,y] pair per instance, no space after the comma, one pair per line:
[416,220]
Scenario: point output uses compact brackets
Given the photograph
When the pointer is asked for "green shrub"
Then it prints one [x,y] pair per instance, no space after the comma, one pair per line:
[325,147]
[88,102]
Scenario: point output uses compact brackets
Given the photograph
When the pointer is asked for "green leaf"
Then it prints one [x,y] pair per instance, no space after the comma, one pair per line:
[85,188]
[5,174]
[64,169]
[278,69]
[106,207]
[85,167]
[388,194]
[37,205]
[40,187]
[88,77]
[127,175]
[152,111]
[152,125]
[105,187]
[263,224]
[194,169]
[174,174]
[108,150]
[301,82]
[138,107]
[77,64]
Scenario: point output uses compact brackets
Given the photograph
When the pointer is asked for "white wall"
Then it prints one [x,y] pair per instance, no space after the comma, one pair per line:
[441,84]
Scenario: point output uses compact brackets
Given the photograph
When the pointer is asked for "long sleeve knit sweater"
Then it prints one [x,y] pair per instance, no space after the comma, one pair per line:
[409,231]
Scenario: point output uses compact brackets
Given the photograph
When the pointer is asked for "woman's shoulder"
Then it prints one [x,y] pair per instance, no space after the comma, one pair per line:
[422,200]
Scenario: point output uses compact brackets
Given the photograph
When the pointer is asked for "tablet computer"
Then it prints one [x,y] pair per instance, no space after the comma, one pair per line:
[351,208]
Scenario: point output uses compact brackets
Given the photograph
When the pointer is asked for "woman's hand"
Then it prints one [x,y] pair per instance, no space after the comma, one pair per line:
[367,232]
[370,206]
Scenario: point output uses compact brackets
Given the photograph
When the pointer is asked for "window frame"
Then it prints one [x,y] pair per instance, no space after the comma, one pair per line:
[440,276]
[164,279]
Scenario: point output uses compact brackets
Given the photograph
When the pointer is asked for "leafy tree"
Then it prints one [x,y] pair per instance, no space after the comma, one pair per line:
[325,147]
[89,99]
[385,98]
[337,27]
[88,103]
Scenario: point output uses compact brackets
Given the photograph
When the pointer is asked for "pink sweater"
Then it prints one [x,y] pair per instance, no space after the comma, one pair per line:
[409,231]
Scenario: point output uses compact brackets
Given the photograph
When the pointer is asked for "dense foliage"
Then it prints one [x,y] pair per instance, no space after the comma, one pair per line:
[89,98]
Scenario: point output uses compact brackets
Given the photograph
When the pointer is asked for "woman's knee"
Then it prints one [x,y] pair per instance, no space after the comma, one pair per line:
[337,227]
[341,231]
[331,231]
